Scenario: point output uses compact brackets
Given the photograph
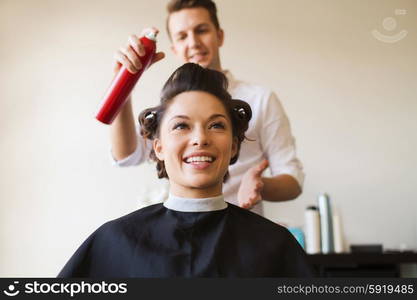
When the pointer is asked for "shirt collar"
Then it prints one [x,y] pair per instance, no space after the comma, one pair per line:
[195,204]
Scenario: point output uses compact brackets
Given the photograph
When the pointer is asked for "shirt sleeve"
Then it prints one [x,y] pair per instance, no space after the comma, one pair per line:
[278,142]
[141,153]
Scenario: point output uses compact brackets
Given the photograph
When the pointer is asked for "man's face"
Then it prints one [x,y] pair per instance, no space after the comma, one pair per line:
[195,38]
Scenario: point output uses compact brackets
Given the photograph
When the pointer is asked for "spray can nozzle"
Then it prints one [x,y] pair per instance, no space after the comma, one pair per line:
[151,34]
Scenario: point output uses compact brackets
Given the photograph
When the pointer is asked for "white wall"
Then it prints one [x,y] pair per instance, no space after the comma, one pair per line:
[351,100]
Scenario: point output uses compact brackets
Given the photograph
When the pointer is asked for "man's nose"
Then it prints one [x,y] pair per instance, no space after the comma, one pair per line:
[194,40]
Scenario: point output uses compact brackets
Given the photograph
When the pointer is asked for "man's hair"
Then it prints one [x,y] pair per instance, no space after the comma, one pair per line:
[177,5]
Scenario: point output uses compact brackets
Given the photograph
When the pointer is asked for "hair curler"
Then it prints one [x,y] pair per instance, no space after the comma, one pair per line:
[122,85]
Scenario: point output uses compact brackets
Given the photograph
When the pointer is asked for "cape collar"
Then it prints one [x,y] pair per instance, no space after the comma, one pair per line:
[195,204]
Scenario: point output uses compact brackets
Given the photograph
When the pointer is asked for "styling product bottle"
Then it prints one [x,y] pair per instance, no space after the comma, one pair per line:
[312,230]
[337,232]
[298,234]
[122,85]
[326,224]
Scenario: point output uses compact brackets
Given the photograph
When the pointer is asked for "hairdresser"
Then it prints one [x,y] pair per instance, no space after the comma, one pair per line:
[196,36]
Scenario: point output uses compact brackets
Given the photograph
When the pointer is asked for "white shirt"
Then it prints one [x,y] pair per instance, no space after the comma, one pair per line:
[269,130]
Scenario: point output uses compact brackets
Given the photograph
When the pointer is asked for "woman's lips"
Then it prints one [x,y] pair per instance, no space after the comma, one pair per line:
[199,161]
[199,165]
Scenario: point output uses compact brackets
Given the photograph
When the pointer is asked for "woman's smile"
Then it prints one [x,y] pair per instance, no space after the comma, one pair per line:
[199,160]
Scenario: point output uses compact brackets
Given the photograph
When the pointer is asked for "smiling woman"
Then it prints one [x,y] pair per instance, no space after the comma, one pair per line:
[196,132]
[196,145]
[197,129]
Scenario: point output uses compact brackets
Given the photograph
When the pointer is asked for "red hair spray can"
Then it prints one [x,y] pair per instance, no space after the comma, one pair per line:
[122,85]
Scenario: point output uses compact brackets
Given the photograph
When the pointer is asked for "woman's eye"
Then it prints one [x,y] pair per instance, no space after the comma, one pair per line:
[180,126]
[218,125]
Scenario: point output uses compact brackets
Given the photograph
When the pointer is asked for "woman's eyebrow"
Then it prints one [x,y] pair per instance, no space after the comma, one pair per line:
[188,118]
[217,116]
[179,117]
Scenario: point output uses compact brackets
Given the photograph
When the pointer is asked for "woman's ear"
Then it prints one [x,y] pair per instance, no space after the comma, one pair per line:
[157,148]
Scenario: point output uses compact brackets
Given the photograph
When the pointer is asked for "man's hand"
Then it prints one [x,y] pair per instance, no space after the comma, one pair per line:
[128,56]
[251,186]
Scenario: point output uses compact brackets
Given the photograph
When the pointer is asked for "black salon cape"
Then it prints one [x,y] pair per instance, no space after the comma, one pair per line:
[159,242]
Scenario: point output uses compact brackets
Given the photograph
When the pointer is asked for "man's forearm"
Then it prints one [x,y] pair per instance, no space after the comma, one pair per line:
[280,188]
[123,132]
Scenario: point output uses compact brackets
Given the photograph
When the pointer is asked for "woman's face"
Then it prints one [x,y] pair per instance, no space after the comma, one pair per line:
[196,144]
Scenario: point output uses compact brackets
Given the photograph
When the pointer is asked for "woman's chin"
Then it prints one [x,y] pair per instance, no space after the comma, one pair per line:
[203,183]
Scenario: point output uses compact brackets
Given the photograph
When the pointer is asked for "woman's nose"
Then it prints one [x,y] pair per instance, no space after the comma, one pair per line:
[200,138]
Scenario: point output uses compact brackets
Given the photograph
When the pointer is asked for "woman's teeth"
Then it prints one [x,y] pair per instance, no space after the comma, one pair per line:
[199,158]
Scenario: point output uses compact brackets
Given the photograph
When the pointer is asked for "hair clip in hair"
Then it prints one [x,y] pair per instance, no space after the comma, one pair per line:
[151,115]
[241,112]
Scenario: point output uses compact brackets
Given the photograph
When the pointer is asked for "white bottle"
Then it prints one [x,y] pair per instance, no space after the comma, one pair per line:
[338,232]
[326,224]
[312,230]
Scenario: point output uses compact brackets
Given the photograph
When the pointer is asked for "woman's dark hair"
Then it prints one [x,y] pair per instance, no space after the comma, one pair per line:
[192,77]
